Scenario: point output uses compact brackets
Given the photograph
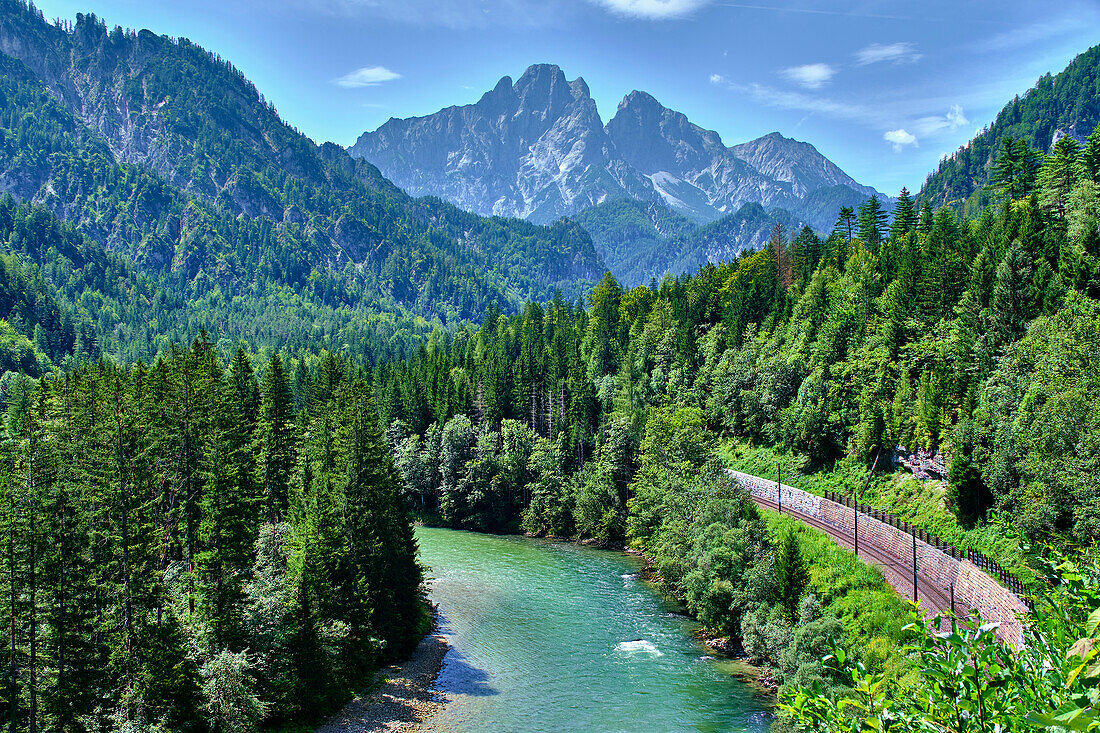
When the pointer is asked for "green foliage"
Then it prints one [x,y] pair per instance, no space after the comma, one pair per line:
[791,574]
[242,225]
[971,681]
[144,583]
[1068,101]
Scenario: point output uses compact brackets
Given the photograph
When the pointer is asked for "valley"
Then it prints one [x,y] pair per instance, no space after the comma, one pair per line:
[266,399]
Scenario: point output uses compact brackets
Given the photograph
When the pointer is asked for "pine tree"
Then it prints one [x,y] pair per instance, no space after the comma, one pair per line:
[1011,304]
[276,439]
[791,573]
[602,341]
[844,222]
[1059,175]
[226,529]
[75,682]
[381,573]
[34,466]
[1004,178]
[1090,156]
[924,226]
[1028,165]
[872,223]
[905,215]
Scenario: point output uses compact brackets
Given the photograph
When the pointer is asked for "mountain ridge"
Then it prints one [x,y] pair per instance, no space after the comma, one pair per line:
[166,153]
[533,150]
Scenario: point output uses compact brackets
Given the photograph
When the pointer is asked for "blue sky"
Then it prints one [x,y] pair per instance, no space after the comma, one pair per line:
[884,89]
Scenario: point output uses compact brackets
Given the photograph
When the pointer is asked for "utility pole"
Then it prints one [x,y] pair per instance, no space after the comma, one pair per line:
[914,568]
[856,498]
[779,485]
[855,520]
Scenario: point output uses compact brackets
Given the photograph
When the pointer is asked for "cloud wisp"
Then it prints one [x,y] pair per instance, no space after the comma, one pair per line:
[458,14]
[771,97]
[903,52]
[652,9]
[810,76]
[900,139]
[367,76]
[903,129]
[1033,33]
[952,120]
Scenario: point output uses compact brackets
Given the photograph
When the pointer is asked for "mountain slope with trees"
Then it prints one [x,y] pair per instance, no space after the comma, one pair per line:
[164,152]
[599,420]
[1067,103]
[641,241]
[186,550]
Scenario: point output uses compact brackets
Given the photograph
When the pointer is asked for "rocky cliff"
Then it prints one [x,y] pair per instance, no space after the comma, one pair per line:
[537,149]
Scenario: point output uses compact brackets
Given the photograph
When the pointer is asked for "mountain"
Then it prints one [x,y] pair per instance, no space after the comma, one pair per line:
[1067,103]
[167,156]
[537,149]
[796,163]
[534,149]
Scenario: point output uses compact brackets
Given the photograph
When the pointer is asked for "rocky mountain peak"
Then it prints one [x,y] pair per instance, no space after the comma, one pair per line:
[654,138]
[795,162]
[537,148]
[502,98]
[580,88]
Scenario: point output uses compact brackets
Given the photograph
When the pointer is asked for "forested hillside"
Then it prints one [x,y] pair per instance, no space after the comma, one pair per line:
[1068,101]
[641,241]
[185,549]
[217,537]
[164,154]
[600,420]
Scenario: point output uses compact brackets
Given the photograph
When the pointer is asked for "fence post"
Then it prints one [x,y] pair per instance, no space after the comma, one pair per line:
[779,485]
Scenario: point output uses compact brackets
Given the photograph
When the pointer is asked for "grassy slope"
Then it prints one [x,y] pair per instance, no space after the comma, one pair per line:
[919,502]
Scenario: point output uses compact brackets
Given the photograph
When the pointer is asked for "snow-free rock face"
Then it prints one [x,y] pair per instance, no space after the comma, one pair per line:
[797,163]
[534,149]
[538,149]
[689,166]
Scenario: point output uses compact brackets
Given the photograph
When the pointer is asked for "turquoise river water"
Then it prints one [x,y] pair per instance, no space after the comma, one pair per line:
[549,636]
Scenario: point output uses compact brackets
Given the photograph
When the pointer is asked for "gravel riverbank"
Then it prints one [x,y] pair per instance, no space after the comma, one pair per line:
[401,699]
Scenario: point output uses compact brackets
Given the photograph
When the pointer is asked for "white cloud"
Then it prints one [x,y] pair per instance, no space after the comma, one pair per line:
[899,139]
[895,53]
[717,78]
[952,120]
[811,76]
[652,9]
[368,76]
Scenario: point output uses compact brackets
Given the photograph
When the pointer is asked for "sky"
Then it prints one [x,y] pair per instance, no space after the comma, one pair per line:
[883,89]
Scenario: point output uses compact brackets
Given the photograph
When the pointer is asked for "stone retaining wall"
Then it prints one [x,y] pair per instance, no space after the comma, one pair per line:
[973,588]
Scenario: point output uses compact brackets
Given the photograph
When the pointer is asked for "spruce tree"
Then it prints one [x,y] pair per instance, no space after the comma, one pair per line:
[1090,156]
[791,573]
[905,215]
[872,223]
[1059,175]
[276,439]
[844,222]
[1004,178]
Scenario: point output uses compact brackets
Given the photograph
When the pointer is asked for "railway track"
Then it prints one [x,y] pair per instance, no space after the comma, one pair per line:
[898,571]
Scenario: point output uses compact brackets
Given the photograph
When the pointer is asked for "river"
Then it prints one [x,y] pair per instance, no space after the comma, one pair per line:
[549,636]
